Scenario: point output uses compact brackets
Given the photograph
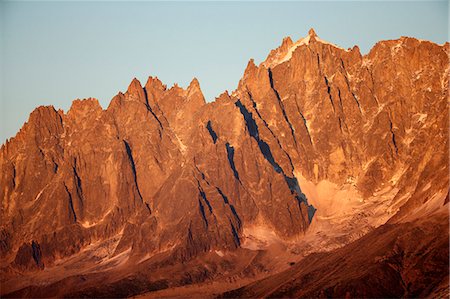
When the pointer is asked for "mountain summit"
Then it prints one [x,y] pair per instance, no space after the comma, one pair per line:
[325,173]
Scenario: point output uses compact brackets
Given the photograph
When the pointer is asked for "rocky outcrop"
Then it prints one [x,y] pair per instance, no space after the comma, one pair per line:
[162,173]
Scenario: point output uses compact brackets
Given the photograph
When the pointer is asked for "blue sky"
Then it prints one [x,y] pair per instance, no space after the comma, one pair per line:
[54,52]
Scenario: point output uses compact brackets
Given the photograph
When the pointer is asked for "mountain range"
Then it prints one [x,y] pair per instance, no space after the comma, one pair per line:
[324,174]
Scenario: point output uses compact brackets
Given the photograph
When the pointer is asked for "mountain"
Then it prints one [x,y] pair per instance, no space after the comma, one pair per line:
[324,174]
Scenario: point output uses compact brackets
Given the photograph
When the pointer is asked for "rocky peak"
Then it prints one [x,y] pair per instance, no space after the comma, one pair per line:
[194,84]
[194,93]
[90,105]
[286,43]
[153,83]
[135,91]
[224,96]
[250,70]
[281,51]
[284,52]
[134,86]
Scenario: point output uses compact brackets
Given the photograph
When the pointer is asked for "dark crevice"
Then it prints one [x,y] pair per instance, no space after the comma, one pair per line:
[14,175]
[344,72]
[190,236]
[77,181]
[201,172]
[304,123]
[226,201]
[340,99]
[393,136]
[348,86]
[342,64]
[202,194]
[294,187]
[71,208]
[341,120]
[329,93]
[133,167]
[235,235]
[292,182]
[340,124]
[281,105]
[55,165]
[253,131]
[311,211]
[328,85]
[230,154]
[147,105]
[149,109]
[148,207]
[202,211]
[299,195]
[153,113]
[224,197]
[211,132]
[267,126]
[41,152]
[249,121]
[267,153]
[357,102]
[37,254]
[372,88]
[306,126]
[270,190]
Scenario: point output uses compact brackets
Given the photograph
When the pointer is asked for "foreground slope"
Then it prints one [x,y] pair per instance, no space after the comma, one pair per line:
[317,147]
[407,260]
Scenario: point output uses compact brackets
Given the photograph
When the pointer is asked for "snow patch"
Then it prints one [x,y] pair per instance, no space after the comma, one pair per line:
[117,260]
[420,117]
[283,57]
[428,186]
[328,43]
[397,175]
[343,214]
[258,237]
[88,224]
[395,49]
[40,193]
[183,147]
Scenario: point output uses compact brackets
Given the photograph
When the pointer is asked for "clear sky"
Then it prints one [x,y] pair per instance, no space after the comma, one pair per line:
[55,52]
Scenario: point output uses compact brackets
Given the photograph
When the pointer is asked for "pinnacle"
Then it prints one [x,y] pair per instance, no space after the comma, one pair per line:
[250,65]
[312,33]
[134,86]
[154,82]
[194,82]
[287,41]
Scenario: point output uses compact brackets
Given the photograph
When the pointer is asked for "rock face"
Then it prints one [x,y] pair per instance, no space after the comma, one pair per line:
[317,147]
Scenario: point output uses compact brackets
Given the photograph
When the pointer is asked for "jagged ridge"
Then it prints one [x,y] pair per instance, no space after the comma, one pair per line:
[153,181]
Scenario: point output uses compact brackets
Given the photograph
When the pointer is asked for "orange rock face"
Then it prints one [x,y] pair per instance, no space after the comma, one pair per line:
[161,178]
